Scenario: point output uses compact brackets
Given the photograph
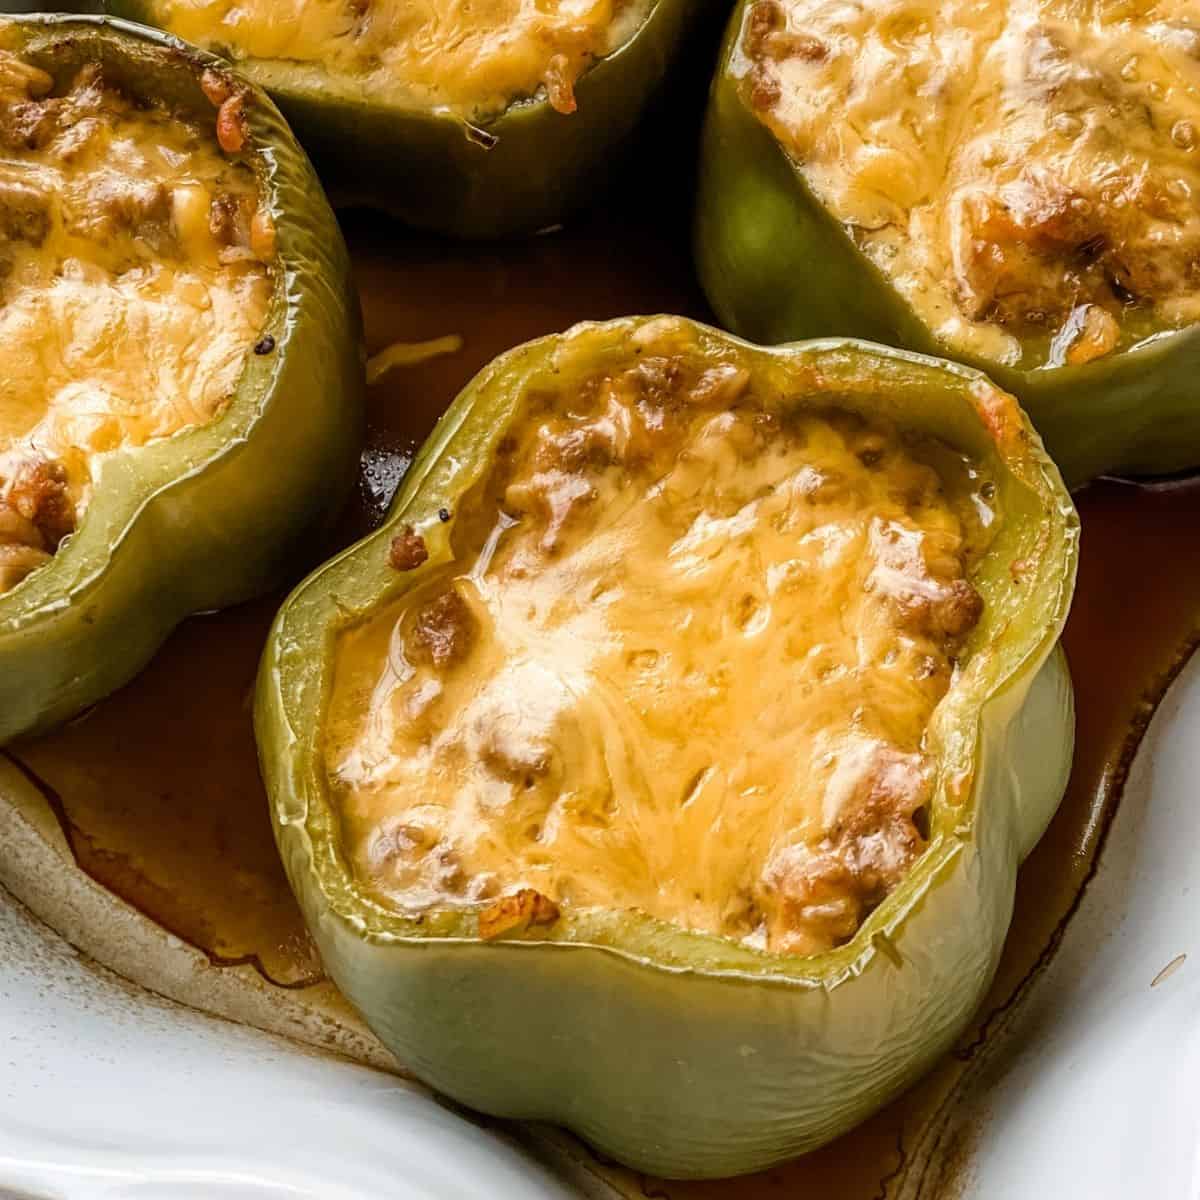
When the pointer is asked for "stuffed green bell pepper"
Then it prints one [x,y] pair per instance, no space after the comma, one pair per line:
[180,372]
[474,119]
[662,766]
[1014,193]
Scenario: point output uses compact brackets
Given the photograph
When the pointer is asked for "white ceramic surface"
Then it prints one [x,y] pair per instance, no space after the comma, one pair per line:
[109,1092]
[1100,1097]
[1092,1091]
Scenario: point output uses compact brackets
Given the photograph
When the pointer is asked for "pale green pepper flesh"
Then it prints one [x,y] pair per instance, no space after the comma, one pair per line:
[677,1052]
[777,266]
[216,514]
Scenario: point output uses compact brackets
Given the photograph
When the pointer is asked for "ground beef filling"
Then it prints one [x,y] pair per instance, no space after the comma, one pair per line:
[1024,170]
[134,275]
[473,58]
[684,663]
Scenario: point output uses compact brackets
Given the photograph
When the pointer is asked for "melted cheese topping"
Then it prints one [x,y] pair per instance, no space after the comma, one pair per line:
[133,281]
[1024,171]
[469,57]
[683,663]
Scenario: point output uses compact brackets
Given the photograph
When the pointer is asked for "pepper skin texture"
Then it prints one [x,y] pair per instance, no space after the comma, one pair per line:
[682,1053]
[518,173]
[218,513]
[776,265]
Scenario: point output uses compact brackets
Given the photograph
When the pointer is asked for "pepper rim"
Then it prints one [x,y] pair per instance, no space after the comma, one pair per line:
[79,564]
[304,820]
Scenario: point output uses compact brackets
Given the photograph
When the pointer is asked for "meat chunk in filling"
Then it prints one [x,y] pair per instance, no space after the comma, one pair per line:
[683,660]
[36,513]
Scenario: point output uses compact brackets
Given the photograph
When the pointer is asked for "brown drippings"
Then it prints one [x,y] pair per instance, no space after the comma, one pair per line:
[158,788]
[416,289]
[158,793]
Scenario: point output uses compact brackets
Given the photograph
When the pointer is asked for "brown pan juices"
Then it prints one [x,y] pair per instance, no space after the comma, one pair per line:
[157,788]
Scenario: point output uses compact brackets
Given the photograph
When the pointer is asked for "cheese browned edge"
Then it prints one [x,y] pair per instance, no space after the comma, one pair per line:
[135,274]
[1024,171]
[472,59]
[683,663]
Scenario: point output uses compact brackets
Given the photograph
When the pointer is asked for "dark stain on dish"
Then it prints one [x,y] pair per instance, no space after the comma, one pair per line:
[118,873]
[157,788]
[157,793]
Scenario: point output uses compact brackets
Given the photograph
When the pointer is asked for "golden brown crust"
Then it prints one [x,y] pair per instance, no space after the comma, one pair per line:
[216,87]
[821,895]
[232,131]
[136,208]
[408,550]
[230,102]
[24,213]
[560,89]
[682,660]
[36,513]
[470,59]
[119,310]
[510,916]
[1024,172]
[442,630]
[39,493]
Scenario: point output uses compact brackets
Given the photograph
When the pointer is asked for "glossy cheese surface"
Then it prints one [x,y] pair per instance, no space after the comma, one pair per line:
[1025,172]
[134,276]
[472,58]
[683,662]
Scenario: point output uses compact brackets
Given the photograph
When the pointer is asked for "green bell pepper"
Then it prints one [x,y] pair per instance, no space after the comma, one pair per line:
[677,1052]
[777,265]
[217,513]
[518,172]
